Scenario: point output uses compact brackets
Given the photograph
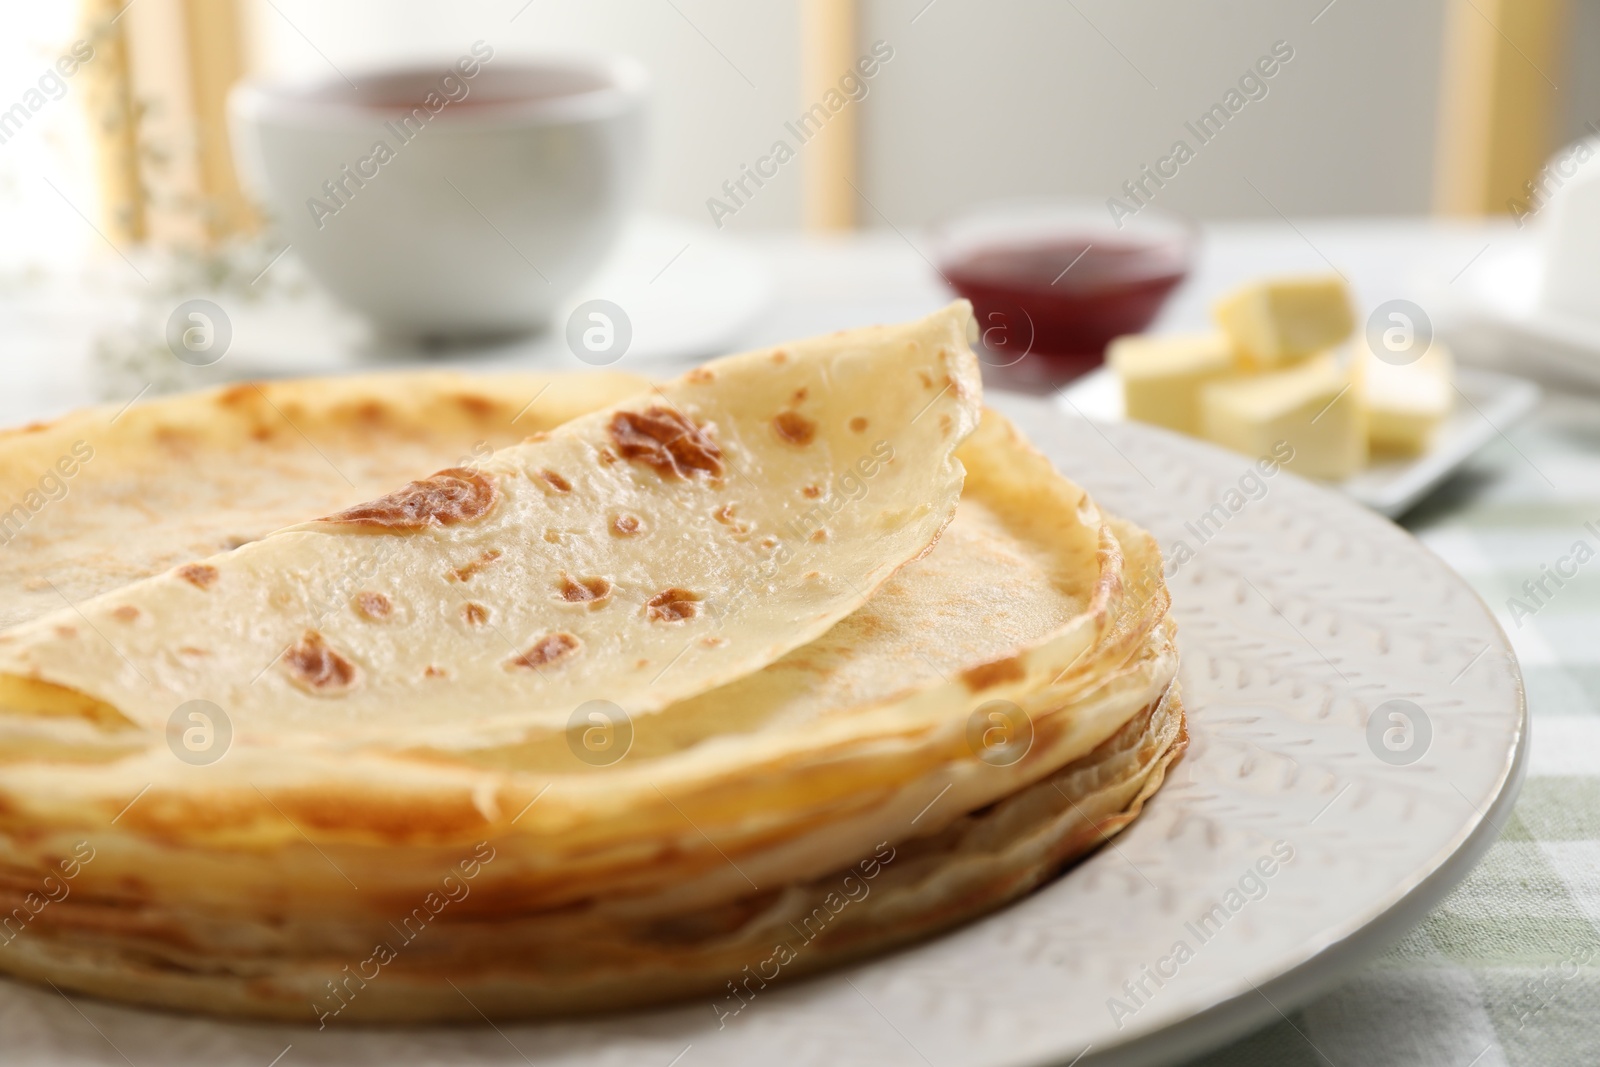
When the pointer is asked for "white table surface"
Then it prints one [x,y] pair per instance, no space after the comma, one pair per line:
[47,325]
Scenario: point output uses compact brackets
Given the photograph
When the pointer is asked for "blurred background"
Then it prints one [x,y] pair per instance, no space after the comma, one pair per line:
[771,170]
[980,100]
[120,181]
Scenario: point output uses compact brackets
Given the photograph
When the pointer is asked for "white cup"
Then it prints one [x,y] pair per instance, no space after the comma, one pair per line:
[458,200]
[1571,231]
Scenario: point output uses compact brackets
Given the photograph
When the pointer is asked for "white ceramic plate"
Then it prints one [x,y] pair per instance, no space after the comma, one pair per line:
[1300,615]
[1488,403]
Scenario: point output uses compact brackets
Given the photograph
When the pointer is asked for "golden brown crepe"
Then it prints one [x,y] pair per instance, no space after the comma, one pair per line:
[112,494]
[439,962]
[881,724]
[638,555]
[986,713]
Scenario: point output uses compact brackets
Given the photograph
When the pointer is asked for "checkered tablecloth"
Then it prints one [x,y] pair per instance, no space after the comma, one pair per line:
[1507,970]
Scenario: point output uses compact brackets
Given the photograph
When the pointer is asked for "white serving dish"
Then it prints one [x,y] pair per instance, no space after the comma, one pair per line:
[1488,403]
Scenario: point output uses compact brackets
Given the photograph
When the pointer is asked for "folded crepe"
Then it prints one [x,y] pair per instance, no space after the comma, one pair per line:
[638,554]
[111,494]
[985,712]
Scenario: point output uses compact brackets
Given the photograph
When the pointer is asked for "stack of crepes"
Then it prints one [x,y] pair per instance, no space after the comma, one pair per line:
[650,692]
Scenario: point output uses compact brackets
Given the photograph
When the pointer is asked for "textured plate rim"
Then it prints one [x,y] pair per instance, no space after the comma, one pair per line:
[1332,954]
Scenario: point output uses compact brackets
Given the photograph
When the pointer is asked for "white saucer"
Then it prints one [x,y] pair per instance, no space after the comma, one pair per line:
[1487,404]
[688,292]
[1496,321]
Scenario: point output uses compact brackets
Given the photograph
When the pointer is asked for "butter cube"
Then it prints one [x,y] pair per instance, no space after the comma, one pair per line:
[1309,418]
[1283,320]
[1162,376]
[1406,404]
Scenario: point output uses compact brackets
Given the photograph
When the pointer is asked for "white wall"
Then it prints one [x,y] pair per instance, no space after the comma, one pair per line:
[983,97]
[1022,96]
[41,224]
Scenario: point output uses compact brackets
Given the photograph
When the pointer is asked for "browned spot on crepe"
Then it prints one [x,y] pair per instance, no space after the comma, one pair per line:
[454,495]
[474,614]
[558,483]
[550,648]
[465,572]
[125,612]
[199,575]
[986,675]
[794,427]
[373,605]
[858,424]
[584,590]
[371,412]
[235,395]
[666,441]
[316,667]
[672,605]
[479,407]
[624,525]
[727,515]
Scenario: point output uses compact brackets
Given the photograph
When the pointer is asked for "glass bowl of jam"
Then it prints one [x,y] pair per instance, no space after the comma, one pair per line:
[1052,282]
